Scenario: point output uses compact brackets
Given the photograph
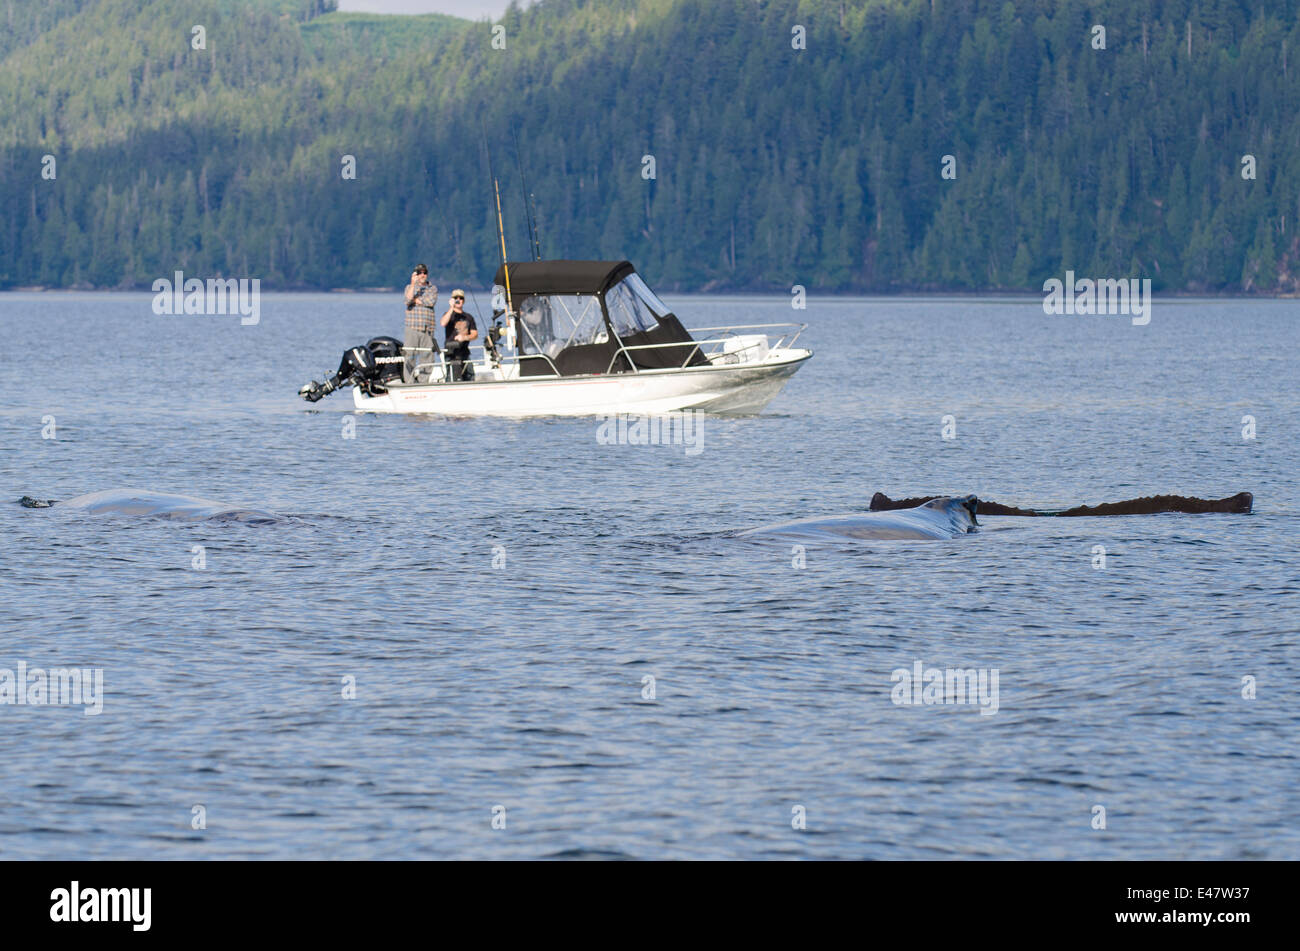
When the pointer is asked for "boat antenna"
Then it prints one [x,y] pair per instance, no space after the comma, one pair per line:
[528,209]
[489,345]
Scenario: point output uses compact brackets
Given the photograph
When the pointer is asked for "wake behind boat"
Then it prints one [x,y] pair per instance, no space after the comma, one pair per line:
[582,338]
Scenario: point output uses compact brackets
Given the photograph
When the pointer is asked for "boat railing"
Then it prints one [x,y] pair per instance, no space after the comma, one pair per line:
[441,367]
[518,357]
[792,330]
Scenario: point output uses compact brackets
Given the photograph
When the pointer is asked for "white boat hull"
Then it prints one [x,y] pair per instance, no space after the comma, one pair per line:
[740,389]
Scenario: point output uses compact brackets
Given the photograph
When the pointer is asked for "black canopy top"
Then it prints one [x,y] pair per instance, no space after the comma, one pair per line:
[563,277]
[577,339]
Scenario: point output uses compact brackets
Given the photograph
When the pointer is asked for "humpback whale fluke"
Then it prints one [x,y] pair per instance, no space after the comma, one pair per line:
[1239,504]
[130,502]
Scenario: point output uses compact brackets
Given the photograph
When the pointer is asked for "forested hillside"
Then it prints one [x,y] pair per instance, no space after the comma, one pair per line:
[772,165]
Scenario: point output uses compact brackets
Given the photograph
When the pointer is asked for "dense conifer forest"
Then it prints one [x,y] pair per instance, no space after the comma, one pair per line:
[846,145]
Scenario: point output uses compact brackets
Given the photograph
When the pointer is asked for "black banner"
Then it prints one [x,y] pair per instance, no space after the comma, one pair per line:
[945,901]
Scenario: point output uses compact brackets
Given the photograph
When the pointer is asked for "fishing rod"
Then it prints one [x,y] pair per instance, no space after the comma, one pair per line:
[501,233]
[528,210]
[537,241]
[501,228]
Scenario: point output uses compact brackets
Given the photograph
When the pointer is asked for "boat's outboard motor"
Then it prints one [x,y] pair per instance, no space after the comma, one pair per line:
[370,367]
[387,352]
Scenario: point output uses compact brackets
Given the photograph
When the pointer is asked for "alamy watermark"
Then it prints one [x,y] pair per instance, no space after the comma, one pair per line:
[1105,296]
[677,428]
[216,296]
[58,686]
[925,686]
[79,903]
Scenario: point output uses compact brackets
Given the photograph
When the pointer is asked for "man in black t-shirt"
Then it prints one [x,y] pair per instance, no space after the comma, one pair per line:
[461,329]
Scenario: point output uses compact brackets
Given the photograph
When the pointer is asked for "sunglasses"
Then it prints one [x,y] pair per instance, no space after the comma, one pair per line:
[461,299]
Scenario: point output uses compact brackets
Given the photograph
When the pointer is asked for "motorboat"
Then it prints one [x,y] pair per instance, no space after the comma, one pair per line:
[579,338]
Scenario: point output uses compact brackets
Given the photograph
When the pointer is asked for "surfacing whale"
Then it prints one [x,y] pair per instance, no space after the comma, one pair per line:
[937,518]
[1239,504]
[155,505]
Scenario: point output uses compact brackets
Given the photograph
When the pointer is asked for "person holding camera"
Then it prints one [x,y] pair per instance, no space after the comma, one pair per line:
[421,318]
[461,329]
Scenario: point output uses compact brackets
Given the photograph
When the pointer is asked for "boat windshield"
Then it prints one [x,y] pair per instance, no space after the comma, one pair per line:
[551,323]
[633,307]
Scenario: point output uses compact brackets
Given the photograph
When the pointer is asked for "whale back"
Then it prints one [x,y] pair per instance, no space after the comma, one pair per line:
[936,519]
[160,505]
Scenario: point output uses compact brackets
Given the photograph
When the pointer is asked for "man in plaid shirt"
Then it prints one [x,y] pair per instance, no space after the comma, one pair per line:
[421,320]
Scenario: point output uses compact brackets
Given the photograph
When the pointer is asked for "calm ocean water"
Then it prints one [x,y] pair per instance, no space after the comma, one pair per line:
[522,686]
